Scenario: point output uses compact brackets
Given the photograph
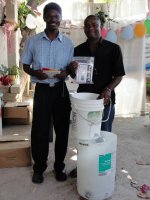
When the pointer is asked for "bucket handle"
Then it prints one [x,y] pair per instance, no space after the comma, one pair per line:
[93,123]
[105,120]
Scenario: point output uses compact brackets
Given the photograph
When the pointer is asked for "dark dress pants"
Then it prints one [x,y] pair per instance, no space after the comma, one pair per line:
[50,102]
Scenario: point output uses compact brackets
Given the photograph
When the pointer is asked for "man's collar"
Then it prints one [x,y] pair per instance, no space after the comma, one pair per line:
[100,40]
[59,36]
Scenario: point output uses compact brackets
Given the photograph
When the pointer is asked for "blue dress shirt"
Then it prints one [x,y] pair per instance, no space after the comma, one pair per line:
[41,52]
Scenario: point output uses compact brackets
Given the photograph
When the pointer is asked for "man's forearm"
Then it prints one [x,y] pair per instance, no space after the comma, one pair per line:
[114,83]
[72,68]
[28,70]
[37,73]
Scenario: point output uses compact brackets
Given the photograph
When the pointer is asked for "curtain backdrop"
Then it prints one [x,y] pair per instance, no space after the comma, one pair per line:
[130,92]
[128,8]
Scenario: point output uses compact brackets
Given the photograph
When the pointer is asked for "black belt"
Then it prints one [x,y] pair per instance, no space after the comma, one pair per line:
[51,85]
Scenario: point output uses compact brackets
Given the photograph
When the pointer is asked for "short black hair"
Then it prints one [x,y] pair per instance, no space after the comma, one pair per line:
[92,16]
[52,6]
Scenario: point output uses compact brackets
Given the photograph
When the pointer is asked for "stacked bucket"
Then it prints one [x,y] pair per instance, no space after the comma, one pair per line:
[96,159]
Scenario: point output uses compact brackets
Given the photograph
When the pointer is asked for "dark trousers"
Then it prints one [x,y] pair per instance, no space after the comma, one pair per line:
[50,102]
[108,113]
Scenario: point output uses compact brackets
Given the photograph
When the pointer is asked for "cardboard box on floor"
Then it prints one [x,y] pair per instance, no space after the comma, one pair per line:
[15,154]
[17,113]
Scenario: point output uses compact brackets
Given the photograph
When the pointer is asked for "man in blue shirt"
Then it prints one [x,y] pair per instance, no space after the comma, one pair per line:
[53,50]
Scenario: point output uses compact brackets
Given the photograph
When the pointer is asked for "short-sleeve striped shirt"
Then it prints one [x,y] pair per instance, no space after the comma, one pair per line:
[41,52]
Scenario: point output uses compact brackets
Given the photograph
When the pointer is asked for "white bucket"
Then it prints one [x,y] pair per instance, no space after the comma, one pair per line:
[96,167]
[86,115]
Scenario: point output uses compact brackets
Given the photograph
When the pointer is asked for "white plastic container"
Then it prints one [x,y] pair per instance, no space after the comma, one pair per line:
[86,115]
[96,167]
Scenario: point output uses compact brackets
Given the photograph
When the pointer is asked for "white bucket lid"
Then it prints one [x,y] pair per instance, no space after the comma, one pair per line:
[87,100]
[85,96]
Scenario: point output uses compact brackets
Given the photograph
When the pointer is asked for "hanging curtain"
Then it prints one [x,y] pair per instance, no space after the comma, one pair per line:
[128,8]
[130,96]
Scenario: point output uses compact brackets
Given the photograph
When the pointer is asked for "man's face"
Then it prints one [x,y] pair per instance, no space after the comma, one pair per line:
[92,28]
[52,19]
